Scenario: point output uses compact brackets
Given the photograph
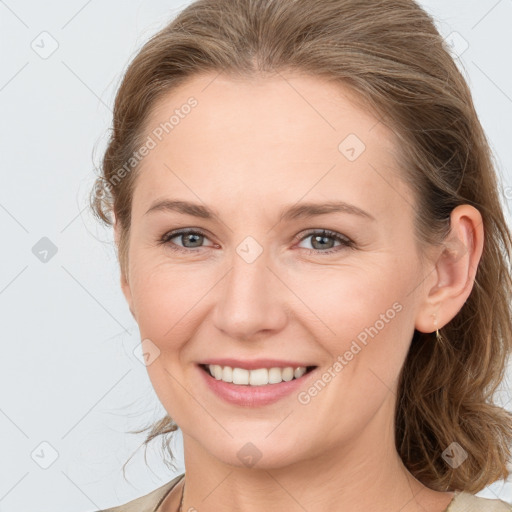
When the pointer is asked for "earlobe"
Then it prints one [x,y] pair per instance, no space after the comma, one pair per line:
[455,270]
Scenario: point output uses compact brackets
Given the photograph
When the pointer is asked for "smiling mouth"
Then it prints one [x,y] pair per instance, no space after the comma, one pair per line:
[258,377]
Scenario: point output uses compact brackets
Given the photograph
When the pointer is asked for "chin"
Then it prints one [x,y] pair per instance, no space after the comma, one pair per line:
[256,452]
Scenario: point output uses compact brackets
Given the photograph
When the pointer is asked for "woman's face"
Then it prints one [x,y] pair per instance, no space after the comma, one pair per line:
[258,279]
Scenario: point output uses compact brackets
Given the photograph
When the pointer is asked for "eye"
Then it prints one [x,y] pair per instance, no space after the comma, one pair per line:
[190,238]
[321,243]
[193,239]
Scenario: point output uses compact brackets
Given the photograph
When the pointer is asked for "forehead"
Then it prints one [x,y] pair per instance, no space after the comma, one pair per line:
[290,133]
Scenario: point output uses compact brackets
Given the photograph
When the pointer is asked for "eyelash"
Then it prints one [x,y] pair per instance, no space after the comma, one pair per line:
[346,242]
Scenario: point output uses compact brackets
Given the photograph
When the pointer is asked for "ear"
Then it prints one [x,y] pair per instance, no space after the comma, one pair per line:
[451,281]
[125,286]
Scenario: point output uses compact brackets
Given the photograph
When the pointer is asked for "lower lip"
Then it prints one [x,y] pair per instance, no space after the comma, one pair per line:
[253,396]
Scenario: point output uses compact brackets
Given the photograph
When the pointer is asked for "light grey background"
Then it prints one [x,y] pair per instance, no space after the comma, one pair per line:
[68,374]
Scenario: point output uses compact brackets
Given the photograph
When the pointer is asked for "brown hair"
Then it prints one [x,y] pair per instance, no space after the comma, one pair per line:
[392,56]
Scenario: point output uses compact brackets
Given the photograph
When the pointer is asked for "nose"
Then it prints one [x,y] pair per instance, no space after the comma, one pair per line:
[250,300]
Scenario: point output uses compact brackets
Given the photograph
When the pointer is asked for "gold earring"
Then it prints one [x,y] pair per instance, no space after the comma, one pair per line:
[438,336]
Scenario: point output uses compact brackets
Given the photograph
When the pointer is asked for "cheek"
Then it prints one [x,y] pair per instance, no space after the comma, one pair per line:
[346,297]
[167,303]
[166,298]
[362,314]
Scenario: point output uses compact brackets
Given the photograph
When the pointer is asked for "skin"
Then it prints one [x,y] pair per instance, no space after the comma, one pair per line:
[249,149]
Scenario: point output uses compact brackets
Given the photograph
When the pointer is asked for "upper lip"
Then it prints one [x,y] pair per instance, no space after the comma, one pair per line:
[254,363]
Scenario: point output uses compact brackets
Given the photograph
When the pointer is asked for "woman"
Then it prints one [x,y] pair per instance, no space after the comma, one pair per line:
[312,244]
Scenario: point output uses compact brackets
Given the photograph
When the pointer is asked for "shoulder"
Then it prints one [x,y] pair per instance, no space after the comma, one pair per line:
[467,502]
[148,502]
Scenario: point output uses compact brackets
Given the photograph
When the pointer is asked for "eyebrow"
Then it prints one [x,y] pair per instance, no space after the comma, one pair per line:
[302,210]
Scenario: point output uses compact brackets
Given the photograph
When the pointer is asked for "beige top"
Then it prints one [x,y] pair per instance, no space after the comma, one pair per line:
[461,502]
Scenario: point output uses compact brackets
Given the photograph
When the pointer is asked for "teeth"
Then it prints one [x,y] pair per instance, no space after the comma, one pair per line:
[299,372]
[227,374]
[259,377]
